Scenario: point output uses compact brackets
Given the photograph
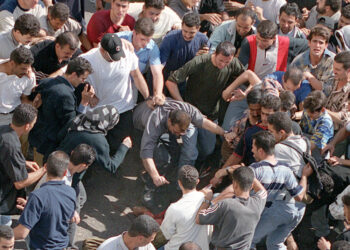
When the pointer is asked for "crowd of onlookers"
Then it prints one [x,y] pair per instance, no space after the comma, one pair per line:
[261,86]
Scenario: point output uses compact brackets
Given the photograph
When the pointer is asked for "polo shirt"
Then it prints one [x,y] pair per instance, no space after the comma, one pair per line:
[300,94]
[205,92]
[7,43]
[322,71]
[112,80]
[70,25]
[278,180]
[245,145]
[175,51]
[45,57]
[12,88]
[47,214]
[148,55]
[10,11]
[12,169]
[154,122]
[101,23]
[167,20]
[117,243]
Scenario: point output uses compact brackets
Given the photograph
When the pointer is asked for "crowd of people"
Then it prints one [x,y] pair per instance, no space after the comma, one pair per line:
[263,86]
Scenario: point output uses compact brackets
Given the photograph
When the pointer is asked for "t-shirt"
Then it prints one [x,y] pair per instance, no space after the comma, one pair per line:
[12,169]
[7,44]
[154,122]
[167,20]
[234,220]
[12,88]
[271,8]
[70,25]
[47,214]
[179,224]
[117,243]
[180,8]
[289,155]
[112,80]
[10,11]
[175,51]
[101,23]
[205,92]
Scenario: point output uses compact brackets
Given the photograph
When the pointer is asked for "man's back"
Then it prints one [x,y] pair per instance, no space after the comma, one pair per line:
[47,214]
[234,220]
[179,222]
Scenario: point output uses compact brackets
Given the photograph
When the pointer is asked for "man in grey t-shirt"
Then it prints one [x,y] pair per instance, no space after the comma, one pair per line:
[177,118]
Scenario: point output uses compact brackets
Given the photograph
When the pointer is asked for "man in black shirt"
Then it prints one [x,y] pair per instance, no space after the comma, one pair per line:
[50,56]
[13,166]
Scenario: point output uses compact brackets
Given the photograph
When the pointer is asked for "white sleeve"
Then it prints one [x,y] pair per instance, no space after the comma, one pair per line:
[29,84]
[168,226]
[336,208]
[6,21]
[134,61]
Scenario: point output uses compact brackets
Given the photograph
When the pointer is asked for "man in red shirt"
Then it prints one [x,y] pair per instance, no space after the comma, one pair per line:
[110,21]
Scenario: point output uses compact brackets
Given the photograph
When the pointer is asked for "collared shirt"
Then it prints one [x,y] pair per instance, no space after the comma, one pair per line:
[148,55]
[322,71]
[338,102]
[7,43]
[321,129]
[12,88]
[117,243]
[295,33]
[70,25]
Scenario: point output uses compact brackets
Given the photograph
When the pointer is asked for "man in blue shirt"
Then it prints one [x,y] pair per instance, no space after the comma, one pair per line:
[147,51]
[49,209]
[180,46]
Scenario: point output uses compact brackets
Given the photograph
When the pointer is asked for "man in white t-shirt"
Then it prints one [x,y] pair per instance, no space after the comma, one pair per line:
[142,232]
[10,10]
[164,18]
[16,82]
[179,224]
[113,68]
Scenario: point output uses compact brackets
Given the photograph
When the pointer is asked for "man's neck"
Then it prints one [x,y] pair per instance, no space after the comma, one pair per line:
[18,130]
[68,78]
[116,20]
[315,60]
[270,158]
[241,194]
[14,35]
[49,178]
[186,191]
[22,4]
[129,241]
[6,68]
[71,168]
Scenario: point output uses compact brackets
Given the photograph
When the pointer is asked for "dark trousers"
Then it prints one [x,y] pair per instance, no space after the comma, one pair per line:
[123,129]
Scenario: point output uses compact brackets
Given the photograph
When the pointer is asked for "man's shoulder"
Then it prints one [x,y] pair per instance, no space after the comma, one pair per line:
[173,34]
[100,16]
[9,5]
[42,47]
[8,137]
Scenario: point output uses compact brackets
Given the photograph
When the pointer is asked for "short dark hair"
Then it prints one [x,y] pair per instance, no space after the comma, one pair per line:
[291,9]
[157,4]
[68,38]
[334,4]
[191,19]
[346,200]
[188,177]
[143,225]
[83,154]
[79,65]
[265,140]
[245,11]
[59,11]
[189,246]
[280,121]
[319,30]
[27,24]
[254,96]
[340,245]
[180,118]
[22,55]
[225,48]
[269,101]
[6,232]
[293,74]
[327,184]
[57,164]
[267,29]
[315,101]
[343,58]
[244,177]
[24,114]
[287,100]
[145,26]
[345,11]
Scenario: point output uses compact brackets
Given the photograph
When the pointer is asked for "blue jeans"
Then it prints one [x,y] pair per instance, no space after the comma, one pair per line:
[196,143]
[233,113]
[277,222]
[5,220]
